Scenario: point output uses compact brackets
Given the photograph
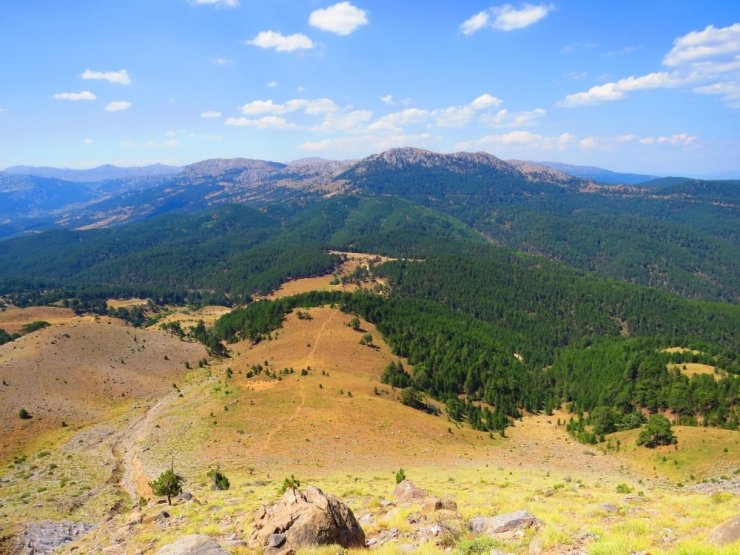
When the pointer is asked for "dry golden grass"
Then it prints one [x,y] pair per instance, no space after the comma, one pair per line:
[125,303]
[13,318]
[189,318]
[693,368]
[339,428]
[78,372]
[323,283]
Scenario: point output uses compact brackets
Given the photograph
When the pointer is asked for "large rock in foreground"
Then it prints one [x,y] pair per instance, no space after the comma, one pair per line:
[303,519]
[726,533]
[503,523]
[48,536]
[197,544]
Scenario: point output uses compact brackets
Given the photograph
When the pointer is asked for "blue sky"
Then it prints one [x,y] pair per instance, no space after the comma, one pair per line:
[629,85]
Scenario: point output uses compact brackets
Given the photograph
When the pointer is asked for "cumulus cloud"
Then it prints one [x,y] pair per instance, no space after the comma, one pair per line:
[84,95]
[120,77]
[710,44]
[345,122]
[506,118]
[505,18]
[360,145]
[485,101]
[311,107]
[342,18]
[520,139]
[265,122]
[387,99]
[617,90]
[210,114]
[218,3]
[117,106]
[395,121]
[280,42]
[271,84]
[221,61]
[706,60]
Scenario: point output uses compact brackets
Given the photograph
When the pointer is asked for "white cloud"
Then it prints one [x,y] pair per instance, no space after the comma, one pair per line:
[350,121]
[314,107]
[506,118]
[475,23]
[121,77]
[280,42]
[706,60]
[84,95]
[361,145]
[218,3]
[485,101]
[505,18]
[519,139]
[341,18]
[588,142]
[387,99]
[394,121]
[711,43]
[210,114]
[266,122]
[117,106]
[221,61]
[271,84]
[609,92]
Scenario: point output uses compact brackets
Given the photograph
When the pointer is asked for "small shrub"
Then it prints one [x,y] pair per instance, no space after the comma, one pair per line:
[220,482]
[23,414]
[289,483]
[624,488]
[167,485]
[400,475]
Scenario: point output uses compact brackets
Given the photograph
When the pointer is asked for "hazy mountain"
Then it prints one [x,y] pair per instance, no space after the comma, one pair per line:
[600,175]
[101,173]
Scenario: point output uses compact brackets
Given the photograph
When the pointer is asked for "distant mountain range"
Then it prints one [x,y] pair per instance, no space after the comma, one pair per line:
[600,175]
[101,173]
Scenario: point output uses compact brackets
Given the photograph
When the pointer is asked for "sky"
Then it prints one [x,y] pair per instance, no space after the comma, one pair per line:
[651,87]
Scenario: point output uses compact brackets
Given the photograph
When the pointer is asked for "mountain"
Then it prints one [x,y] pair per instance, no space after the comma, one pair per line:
[600,175]
[101,173]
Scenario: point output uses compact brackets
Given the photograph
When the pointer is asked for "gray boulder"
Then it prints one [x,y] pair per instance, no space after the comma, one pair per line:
[726,533]
[503,523]
[197,544]
[303,519]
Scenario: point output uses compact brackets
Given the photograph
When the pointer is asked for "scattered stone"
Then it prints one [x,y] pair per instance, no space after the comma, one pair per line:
[47,536]
[185,496]
[449,505]
[726,533]
[407,491]
[383,537]
[136,518]
[305,519]
[499,552]
[609,507]
[503,523]
[431,504]
[276,540]
[197,544]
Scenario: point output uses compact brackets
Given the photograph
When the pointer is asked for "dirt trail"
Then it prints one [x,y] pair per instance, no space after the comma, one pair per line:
[302,388]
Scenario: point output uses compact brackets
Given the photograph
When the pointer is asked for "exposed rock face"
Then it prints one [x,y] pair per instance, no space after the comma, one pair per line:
[47,536]
[407,491]
[726,533]
[503,523]
[197,544]
[302,519]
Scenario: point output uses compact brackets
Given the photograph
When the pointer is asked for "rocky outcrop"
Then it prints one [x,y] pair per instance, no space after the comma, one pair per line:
[197,544]
[499,524]
[302,519]
[48,536]
[726,533]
